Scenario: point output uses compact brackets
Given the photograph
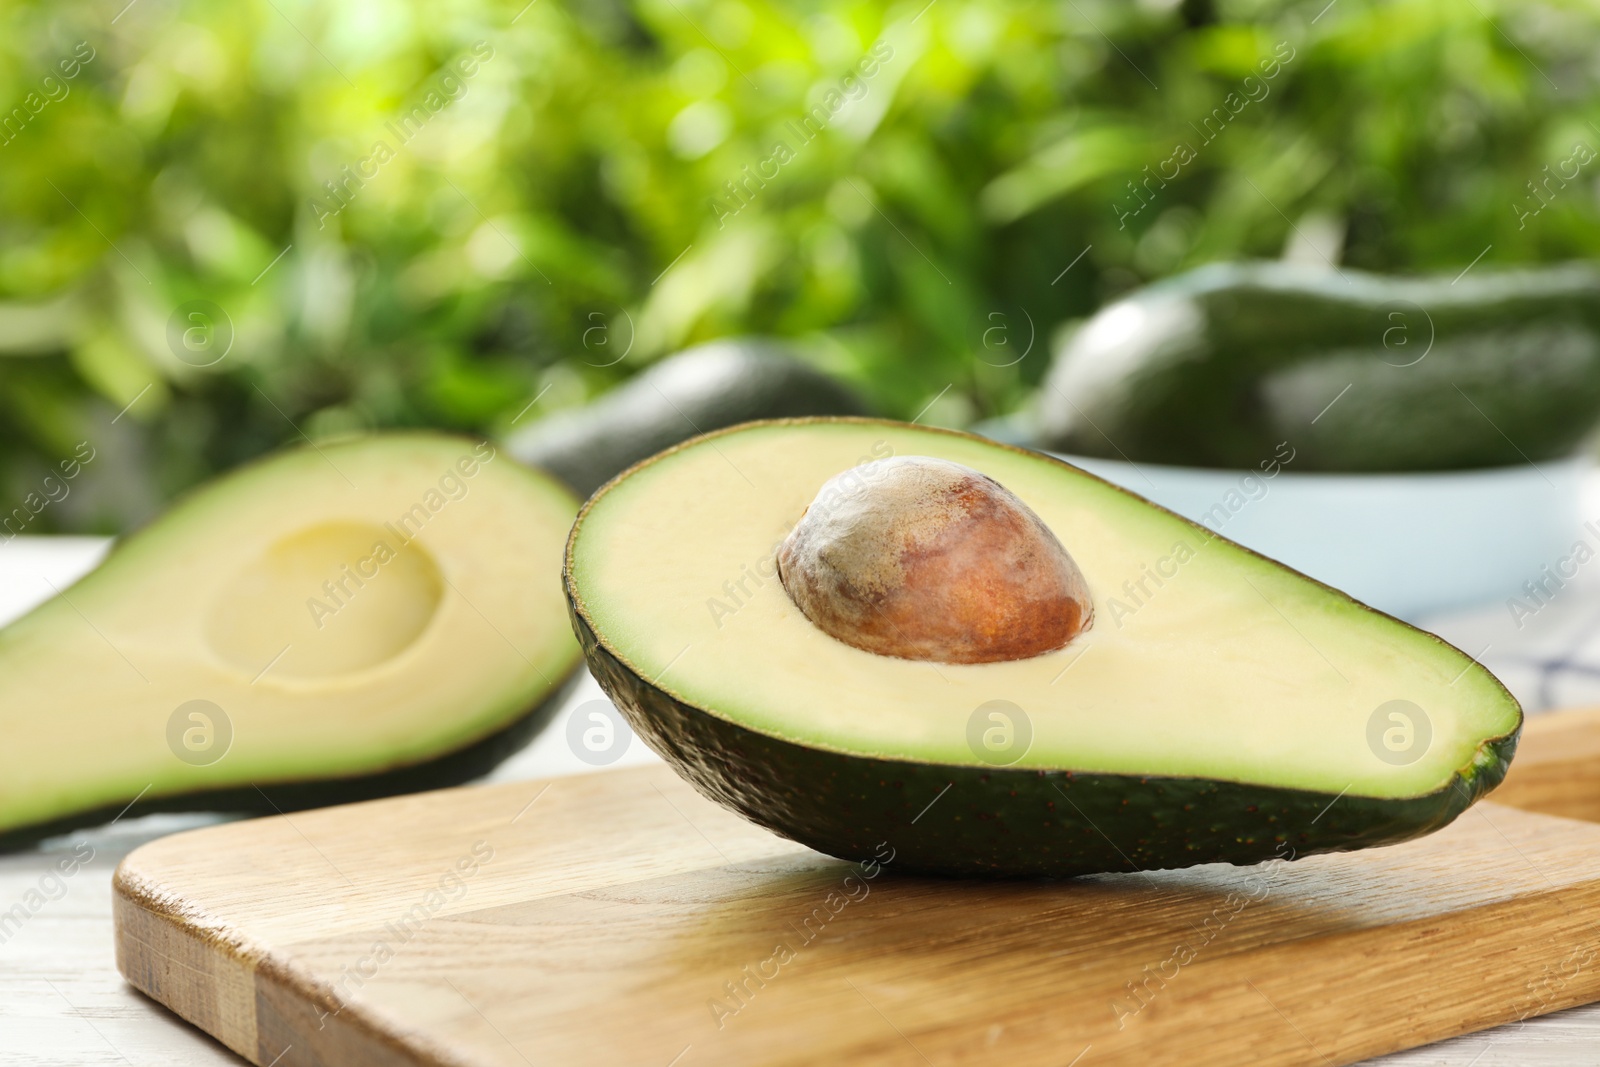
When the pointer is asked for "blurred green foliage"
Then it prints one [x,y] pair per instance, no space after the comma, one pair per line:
[566,201]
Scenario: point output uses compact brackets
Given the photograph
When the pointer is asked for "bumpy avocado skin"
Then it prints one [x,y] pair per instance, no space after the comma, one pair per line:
[1011,823]
[704,388]
[1360,372]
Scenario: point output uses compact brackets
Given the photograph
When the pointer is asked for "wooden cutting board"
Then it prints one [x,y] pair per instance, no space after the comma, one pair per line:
[619,919]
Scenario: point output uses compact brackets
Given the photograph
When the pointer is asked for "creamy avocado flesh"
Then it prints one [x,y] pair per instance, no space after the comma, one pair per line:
[1204,661]
[372,604]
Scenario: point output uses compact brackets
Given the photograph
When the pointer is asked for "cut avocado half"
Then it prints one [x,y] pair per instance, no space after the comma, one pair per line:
[1221,707]
[338,622]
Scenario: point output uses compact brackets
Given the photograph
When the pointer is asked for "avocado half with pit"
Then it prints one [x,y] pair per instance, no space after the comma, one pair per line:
[857,632]
[350,620]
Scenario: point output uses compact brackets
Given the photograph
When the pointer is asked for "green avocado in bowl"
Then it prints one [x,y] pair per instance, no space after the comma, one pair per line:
[1416,442]
[1360,372]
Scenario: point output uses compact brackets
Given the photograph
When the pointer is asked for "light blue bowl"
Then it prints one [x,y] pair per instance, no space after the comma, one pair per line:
[1408,544]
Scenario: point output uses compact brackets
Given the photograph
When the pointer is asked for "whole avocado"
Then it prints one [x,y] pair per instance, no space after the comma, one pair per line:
[708,387]
[1360,372]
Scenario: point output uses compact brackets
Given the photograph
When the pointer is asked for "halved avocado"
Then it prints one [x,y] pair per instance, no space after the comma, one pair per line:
[332,623]
[1221,707]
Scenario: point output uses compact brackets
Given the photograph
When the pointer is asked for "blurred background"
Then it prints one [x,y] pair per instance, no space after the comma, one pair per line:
[227,226]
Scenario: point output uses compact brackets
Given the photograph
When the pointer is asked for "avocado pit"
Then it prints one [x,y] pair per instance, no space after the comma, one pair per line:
[925,559]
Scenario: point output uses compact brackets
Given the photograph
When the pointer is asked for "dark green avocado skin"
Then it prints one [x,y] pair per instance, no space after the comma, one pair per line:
[949,820]
[1358,372]
[705,388]
[465,764]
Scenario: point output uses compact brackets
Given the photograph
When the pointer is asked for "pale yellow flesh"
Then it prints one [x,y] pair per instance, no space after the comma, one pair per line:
[456,635]
[1235,668]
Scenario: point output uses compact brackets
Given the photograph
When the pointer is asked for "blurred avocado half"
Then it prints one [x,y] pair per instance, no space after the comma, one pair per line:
[340,714]
[708,387]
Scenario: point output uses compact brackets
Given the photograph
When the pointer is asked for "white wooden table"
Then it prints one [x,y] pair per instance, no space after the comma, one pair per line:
[62,1001]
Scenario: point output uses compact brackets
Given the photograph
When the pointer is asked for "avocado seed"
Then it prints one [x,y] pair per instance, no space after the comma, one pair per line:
[921,558]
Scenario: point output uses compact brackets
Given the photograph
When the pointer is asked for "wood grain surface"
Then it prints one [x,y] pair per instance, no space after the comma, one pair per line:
[1557,766]
[619,918]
